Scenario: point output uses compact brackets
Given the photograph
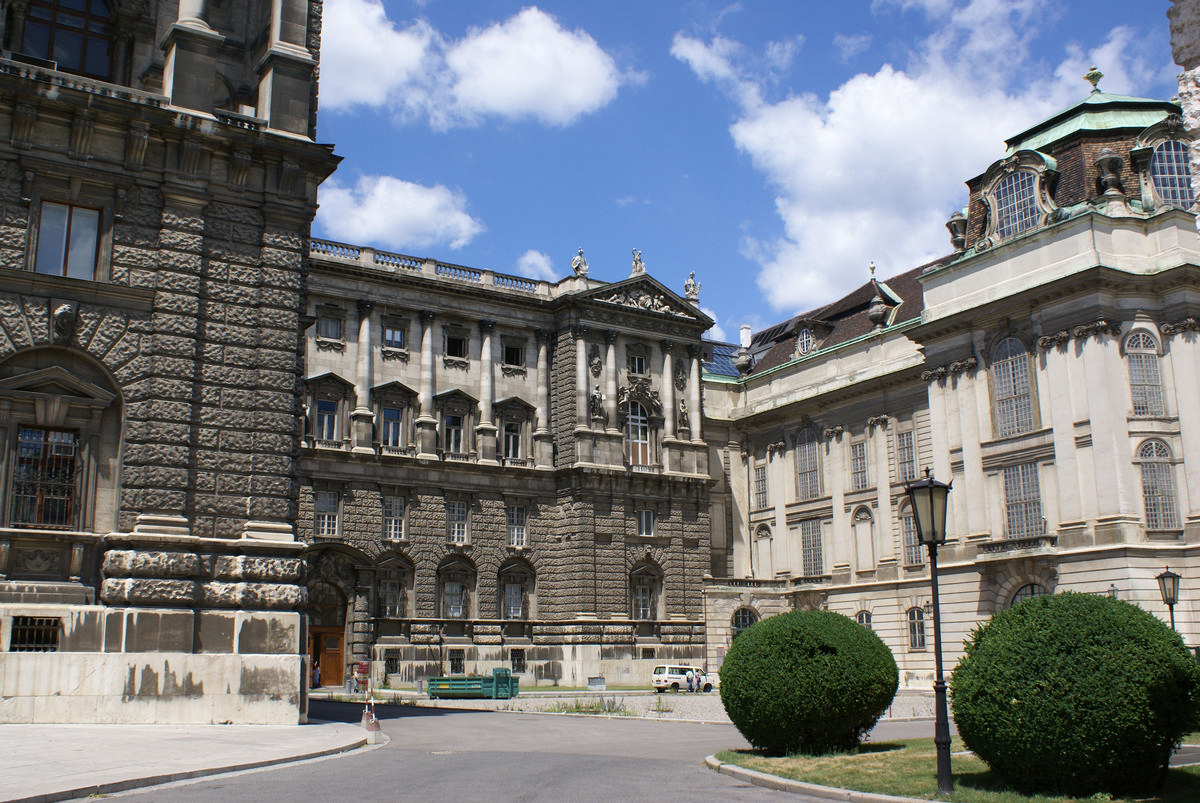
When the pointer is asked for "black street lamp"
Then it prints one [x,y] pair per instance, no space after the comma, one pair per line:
[928,497]
[1168,586]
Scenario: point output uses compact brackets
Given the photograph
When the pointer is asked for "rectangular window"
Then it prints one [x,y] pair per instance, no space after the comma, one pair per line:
[390,597]
[1145,384]
[452,600]
[637,364]
[1023,501]
[456,346]
[858,466]
[391,428]
[34,634]
[393,336]
[512,439]
[812,555]
[326,423]
[456,522]
[760,486]
[514,355]
[808,467]
[516,660]
[452,433]
[914,552]
[1158,496]
[916,629]
[68,239]
[645,523]
[43,488]
[329,327]
[516,525]
[325,514]
[906,457]
[458,662]
[514,601]
[393,517]
[643,602]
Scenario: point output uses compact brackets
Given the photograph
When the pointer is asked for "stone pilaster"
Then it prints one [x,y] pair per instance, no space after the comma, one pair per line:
[485,430]
[426,420]
[362,419]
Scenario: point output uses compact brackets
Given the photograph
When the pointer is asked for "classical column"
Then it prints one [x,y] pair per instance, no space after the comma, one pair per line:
[190,66]
[426,420]
[285,70]
[543,452]
[877,436]
[610,380]
[581,380]
[485,431]
[362,420]
[694,411]
[668,385]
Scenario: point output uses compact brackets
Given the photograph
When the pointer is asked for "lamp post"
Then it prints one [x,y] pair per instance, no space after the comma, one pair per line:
[1168,586]
[928,497]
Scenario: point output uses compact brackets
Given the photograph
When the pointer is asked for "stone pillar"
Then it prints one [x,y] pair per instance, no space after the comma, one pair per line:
[610,380]
[543,445]
[426,420]
[362,420]
[877,436]
[485,431]
[191,48]
[668,384]
[581,380]
[694,406]
[286,70]
[834,471]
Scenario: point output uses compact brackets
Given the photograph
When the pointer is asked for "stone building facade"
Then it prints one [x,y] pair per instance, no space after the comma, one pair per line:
[158,174]
[1048,366]
[500,472]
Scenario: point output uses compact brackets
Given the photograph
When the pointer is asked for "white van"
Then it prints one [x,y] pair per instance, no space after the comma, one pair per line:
[674,677]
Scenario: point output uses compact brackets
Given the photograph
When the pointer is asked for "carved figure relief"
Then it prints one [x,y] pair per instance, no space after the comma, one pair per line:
[639,298]
[63,323]
[579,264]
[594,361]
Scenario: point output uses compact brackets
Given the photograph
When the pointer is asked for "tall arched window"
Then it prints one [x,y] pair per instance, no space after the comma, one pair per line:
[1145,384]
[742,619]
[916,628]
[1170,173]
[914,553]
[645,582]
[1158,486]
[808,465]
[637,435]
[1011,388]
[1025,592]
[1015,199]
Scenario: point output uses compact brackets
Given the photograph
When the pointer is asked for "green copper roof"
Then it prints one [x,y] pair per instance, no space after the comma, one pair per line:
[1099,111]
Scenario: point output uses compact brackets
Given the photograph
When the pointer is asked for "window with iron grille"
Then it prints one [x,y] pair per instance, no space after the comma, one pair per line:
[808,466]
[516,661]
[1015,198]
[43,485]
[760,486]
[458,662]
[864,619]
[34,634]
[325,514]
[391,662]
[916,629]
[1025,592]
[812,555]
[1158,486]
[1023,501]
[742,619]
[1170,173]
[393,517]
[516,525]
[1145,385]
[456,521]
[906,457]
[858,466]
[914,552]
[1011,388]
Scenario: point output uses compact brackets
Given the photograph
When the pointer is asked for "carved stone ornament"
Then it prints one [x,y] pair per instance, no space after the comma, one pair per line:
[63,323]
[1098,327]
[833,432]
[390,353]
[22,127]
[1059,338]
[191,158]
[778,447]
[877,421]
[239,168]
[82,127]
[595,363]
[639,266]
[640,298]
[37,561]
[968,363]
[291,182]
[329,344]
[460,363]
[934,374]
[1181,326]
[136,140]
[639,390]
[680,378]
[579,264]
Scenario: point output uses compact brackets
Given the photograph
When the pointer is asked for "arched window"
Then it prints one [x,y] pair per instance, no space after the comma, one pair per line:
[1170,173]
[1015,203]
[805,342]
[1145,385]
[456,584]
[326,605]
[764,567]
[1011,389]
[808,465]
[742,619]
[914,552]
[864,619]
[1158,486]
[645,583]
[637,435]
[516,589]
[73,33]
[395,583]
[1025,592]
[916,629]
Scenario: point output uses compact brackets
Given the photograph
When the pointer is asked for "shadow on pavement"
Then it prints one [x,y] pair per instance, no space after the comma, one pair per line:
[331,711]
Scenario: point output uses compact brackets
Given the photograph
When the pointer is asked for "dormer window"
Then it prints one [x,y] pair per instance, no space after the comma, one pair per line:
[1018,193]
[805,342]
[1170,174]
[1016,203]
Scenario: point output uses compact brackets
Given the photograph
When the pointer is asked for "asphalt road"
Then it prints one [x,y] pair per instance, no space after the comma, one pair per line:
[457,755]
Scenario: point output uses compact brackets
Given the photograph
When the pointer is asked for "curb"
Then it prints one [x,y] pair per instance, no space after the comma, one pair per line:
[97,790]
[768,781]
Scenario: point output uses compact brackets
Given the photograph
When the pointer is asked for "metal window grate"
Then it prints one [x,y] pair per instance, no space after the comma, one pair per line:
[1016,203]
[391,662]
[858,466]
[1014,399]
[1023,501]
[905,457]
[34,634]
[517,661]
[812,555]
[1171,174]
[808,478]
[914,552]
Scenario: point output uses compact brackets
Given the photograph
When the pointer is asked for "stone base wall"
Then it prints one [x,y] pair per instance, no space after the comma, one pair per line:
[132,666]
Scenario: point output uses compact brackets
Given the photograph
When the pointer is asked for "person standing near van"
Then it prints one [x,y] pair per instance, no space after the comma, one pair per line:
[690,679]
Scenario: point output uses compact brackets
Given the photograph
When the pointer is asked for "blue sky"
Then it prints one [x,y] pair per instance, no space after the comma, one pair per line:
[775,148]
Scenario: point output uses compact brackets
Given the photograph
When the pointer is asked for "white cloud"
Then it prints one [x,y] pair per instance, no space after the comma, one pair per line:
[715,332]
[526,67]
[872,171]
[395,214]
[536,265]
[850,45]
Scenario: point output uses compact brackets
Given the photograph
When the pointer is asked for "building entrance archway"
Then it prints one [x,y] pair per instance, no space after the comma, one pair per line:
[326,633]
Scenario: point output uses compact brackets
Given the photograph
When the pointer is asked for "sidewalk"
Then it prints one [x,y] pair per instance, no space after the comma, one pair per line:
[44,763]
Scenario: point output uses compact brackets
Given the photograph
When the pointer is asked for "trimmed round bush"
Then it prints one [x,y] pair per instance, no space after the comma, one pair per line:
[1075,694]
[807,682]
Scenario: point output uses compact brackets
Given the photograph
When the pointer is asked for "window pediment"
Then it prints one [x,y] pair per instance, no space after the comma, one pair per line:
[56,381]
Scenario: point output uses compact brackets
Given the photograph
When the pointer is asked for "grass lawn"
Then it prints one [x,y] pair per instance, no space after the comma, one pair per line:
[908,768]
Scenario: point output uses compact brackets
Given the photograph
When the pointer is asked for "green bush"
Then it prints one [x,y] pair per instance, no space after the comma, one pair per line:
[807,681]
[1075,694]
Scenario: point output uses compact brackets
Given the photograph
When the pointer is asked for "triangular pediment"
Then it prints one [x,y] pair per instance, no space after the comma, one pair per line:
[330,378]
[55,381]
[455,395]
[393,389]
[646,294]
